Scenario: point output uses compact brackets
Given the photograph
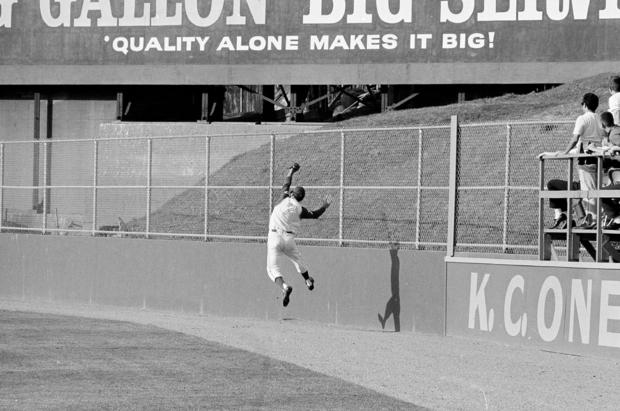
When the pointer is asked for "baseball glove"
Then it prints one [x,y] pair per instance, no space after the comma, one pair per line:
[295,167]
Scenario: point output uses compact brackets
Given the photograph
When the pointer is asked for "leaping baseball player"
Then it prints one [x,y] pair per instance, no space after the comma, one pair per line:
[284,225]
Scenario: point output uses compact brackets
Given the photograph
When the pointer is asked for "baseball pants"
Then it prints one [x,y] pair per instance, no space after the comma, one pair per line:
[279,245]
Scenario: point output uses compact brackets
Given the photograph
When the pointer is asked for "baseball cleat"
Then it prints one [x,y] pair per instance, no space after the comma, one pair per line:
[287,294]
[310,283]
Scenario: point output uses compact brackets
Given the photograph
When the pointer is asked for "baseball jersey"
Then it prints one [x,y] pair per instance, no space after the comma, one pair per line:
[286,216]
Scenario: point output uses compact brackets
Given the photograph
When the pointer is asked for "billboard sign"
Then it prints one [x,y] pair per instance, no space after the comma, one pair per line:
[270,34]
[568,307]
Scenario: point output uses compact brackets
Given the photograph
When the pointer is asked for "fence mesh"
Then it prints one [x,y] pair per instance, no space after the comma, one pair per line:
[387,185]
[498,184]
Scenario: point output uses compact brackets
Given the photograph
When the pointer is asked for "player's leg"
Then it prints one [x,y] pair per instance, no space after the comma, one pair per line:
[274,252]
[294,254]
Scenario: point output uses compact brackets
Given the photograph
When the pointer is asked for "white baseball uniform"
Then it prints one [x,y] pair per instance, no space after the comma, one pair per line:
[284,225]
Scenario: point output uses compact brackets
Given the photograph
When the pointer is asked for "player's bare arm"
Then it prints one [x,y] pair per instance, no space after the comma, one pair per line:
[289,179]
[306,214]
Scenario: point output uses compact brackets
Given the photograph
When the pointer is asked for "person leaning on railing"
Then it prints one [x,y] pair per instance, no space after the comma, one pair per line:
[610,149]
[587,129]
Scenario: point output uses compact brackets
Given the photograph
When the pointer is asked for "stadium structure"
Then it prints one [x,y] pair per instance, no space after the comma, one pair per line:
[85,89]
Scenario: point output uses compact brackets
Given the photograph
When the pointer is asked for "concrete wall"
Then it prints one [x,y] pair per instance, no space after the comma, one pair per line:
[566,307]
[353,286]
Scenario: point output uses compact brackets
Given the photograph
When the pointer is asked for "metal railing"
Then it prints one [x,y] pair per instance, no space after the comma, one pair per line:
[388,184]
[574,236]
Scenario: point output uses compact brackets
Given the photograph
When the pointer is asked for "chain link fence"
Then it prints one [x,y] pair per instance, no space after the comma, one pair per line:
[497,184]
[388,186]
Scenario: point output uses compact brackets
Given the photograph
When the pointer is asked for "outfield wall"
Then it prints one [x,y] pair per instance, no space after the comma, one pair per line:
[563,306]
[353,286]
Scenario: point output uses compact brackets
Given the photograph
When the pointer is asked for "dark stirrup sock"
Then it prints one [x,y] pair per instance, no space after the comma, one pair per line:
[305,275]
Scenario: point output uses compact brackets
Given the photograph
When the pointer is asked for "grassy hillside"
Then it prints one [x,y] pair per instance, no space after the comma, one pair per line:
[390,159]
[561,103]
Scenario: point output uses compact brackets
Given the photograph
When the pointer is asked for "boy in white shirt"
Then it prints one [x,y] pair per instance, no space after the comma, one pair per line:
[614,99]
[587,129]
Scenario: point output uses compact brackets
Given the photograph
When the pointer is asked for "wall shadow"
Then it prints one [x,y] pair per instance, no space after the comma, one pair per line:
[392,307]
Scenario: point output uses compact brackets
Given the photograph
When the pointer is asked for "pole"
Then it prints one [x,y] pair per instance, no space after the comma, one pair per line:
[341,194]
[506,183]
[453,185]
[207,166]
[148,186]
[95,172]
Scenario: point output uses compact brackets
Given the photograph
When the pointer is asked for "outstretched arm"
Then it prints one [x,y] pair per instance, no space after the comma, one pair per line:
[289,179]
[316,213]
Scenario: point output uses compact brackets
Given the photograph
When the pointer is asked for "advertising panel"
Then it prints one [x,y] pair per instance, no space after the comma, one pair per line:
[568,307]
[260,40]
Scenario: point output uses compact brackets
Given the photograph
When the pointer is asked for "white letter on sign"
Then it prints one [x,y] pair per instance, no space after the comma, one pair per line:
[550,333]
[605,337]
[404,12]
[490,13]
[559,9]
[191,9]
[446,15]
[315,13]
[530,12]
[359,14]
[514,328]
[583,304]
[64,14]
[478,302]
[103,7]
[258,9]
[611,11]
[6,12]
[130,18]
[161,14]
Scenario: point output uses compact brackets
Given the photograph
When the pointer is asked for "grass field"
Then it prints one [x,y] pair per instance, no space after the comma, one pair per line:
[56,362]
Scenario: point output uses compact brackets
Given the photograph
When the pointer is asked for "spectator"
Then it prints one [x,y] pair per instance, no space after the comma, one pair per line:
[611,206]
[587,129]
[612,130]
[614,99]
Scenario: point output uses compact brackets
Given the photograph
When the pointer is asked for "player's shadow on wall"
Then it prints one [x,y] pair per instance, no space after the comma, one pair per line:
[392,307]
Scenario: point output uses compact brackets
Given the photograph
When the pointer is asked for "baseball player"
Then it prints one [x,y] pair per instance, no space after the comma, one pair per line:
[284,225]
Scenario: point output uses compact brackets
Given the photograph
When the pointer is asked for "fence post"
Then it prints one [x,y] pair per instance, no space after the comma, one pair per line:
[506,183]
[1,184]
[148,186]
[95,172]
[45,187]
[207,167]
[599,225]
[272,150]
[570,255]
[453,185]
[36,148]
[341,194]
[419,191]
[541,211]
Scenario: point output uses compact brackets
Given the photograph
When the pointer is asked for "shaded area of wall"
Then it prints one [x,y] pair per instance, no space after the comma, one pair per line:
[353,286]
[567,307]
